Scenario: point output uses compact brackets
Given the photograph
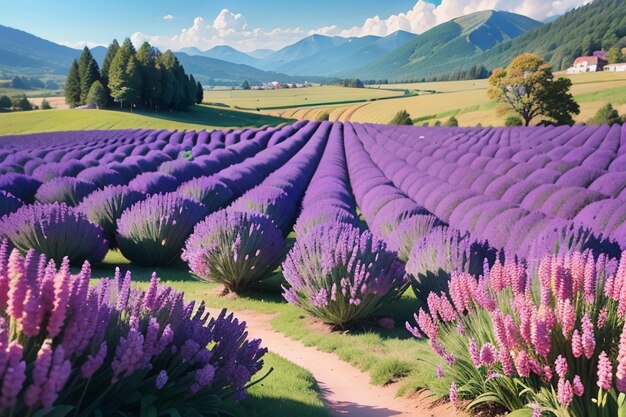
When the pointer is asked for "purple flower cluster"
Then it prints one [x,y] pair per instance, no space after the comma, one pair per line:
[153,231]
[101,349]
[56,231]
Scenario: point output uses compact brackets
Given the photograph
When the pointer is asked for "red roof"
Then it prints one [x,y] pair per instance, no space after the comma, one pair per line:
[591,60]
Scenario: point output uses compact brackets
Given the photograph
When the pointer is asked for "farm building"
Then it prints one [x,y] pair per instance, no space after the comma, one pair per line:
[587,64]
[619,67]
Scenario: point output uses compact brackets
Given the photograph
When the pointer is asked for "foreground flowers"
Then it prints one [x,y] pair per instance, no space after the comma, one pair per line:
[112,349]
[551,335]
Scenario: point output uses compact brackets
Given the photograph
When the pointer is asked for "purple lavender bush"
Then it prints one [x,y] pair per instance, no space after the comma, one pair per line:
[235,249]
[152,232]
[69,348]
[153,183]
[68,190]
[21,186]
[9,203]
[105,207]
[342,275]
[210,191]
[57,231]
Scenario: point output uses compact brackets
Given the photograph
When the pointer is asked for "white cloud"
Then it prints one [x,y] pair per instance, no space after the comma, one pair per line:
[232,29]
[426,15]
[82,44]
[168,17]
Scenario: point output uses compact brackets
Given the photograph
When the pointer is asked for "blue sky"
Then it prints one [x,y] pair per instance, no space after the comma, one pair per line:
[74,20]
[244,24]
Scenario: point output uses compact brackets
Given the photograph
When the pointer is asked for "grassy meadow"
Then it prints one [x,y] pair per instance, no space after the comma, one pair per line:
[466,100]
[282,98]
[198,118]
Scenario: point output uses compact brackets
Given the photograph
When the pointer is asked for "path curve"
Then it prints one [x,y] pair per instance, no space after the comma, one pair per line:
[345,390]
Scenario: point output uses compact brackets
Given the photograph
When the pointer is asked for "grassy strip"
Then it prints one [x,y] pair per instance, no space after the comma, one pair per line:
[198,118]
[330,103]
[614,96]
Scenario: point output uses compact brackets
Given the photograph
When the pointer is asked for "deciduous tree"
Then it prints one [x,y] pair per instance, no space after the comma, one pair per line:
[528,87]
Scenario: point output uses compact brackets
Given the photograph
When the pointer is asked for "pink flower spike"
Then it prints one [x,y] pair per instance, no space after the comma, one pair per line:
[560,365]
[579,388]
[605,369]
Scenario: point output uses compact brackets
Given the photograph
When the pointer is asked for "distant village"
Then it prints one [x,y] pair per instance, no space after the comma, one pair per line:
[275,85]
[596,62]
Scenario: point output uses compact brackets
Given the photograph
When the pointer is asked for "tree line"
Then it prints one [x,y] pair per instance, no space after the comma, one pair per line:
[132,78]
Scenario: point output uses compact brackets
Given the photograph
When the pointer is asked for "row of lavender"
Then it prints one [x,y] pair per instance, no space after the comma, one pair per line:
[543,336]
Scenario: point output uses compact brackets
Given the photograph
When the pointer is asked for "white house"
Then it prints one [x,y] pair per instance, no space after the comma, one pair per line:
[620,67]
[586,64]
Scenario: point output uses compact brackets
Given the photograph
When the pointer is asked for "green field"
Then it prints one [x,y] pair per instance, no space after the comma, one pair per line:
[466,100]
[198,118]
[282,98]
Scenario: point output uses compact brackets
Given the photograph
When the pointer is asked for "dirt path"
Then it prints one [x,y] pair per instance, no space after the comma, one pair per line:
[346,391]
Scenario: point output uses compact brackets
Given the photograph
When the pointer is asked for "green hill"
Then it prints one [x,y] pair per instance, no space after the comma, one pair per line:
[448,46]
[598,25]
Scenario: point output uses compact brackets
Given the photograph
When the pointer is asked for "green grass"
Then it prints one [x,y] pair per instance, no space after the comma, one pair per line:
[40,92]
[386,355]
[198,118]
[288,391]
[613,96]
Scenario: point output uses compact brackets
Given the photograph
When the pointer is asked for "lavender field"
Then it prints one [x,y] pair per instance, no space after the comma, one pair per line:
[509,241]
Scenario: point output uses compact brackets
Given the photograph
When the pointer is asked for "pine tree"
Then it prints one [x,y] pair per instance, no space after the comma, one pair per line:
[97,96]
[124,80]
[199,94]
[150,88]
[88,72]
[191,91]
[106,65]
[133,72]
[72,86]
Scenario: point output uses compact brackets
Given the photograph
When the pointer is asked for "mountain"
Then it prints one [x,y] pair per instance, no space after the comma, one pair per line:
[223,53]
[261,53]
[26,54]
[448,46]
[211,71]
[600,24]
[333,56]
[306,47]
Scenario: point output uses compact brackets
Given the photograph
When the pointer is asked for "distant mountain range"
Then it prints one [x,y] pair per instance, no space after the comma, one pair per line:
[489,38]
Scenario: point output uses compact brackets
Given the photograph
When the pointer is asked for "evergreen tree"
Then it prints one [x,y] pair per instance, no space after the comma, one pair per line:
[106,65]
[199,93]
[45,105]
[20,102]
[245,85]
[72,86]
[125,76]
[150,85]
[88,72]
[192,91]
[97,95]
[451,122]
[5,102]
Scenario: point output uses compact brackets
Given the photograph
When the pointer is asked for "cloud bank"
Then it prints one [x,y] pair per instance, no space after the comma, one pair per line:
[232,29]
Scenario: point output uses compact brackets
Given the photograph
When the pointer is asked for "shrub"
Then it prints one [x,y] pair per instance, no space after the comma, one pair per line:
[45,105]
[105,207]
[109,349]
[102,176]
[152,232]
[271,201]
[9,203]
[323,116]
[68,190]
[57,231]
[451,122]
[21,186]
[408,232]
[606,115]
[512,121]
[211,192]
[342,275]
[401,118]
[548,336]
[235,249]
[154,183]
